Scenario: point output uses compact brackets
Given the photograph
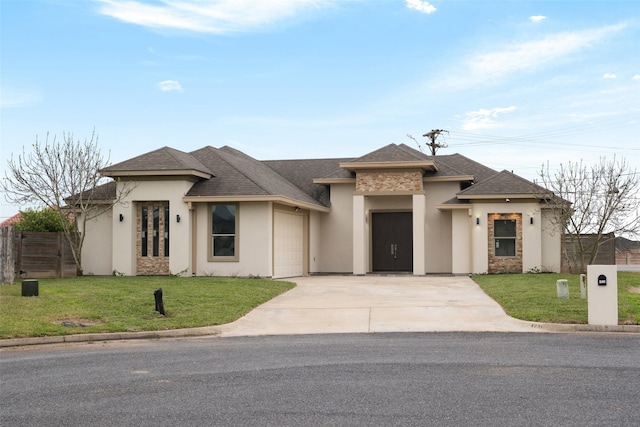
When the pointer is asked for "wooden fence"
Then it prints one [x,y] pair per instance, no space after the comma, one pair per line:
[606,251]
[34,255]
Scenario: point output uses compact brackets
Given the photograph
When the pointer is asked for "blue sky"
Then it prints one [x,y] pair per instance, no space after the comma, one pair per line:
[516,83]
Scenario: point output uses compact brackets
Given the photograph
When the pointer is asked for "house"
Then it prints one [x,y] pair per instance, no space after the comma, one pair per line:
[11,221]
[627,251]
[218,211]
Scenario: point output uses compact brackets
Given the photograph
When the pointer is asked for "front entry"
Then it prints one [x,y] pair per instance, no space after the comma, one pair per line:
[392,241]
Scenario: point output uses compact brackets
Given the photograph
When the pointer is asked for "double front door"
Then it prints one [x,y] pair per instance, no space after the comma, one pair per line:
[392,241]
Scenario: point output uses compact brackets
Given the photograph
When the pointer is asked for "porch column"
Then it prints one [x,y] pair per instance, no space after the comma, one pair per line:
[419,247]
[359,235]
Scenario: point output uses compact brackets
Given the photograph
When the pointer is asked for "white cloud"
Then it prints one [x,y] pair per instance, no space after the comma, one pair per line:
[537,18]
[636,77]
[483,118]
[217,16]
[492,67]
[421,6]
[14,97]
[609,76]
[170,85]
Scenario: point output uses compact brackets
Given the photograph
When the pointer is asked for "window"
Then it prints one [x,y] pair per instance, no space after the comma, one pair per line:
[224,237]
[143,232]
[156,226]
[504,233]
[166,230]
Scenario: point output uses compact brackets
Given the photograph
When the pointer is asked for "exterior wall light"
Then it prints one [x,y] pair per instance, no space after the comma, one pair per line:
[477,221]
[177,218]
[121,217]
[531,220]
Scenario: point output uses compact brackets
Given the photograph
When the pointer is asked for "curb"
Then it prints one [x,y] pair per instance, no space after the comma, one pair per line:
[217,330]
[561,327]
[112,336]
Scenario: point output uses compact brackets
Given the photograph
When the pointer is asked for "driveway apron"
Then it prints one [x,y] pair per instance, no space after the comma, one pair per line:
[377,303]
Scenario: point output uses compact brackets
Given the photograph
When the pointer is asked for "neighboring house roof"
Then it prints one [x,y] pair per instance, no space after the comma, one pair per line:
[626,245]
[11,220]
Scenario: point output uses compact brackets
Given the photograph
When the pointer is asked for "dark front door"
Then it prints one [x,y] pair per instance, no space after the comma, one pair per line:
[392,241]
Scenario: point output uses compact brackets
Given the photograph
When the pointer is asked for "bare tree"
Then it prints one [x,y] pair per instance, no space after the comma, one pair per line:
[64,176]
[593,204]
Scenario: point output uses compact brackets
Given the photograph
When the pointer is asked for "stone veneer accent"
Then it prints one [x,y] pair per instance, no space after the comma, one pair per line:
[503,264]
[150,265]
[389,181]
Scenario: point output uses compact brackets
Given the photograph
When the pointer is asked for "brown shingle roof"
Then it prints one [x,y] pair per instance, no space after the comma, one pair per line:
[242,175]
[504,183]
[392,153]
[162,159]
[457,164]
[303,172]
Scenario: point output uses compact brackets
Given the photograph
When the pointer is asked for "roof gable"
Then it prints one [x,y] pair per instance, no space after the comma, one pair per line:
[163,161]
[392,153]
[504,183]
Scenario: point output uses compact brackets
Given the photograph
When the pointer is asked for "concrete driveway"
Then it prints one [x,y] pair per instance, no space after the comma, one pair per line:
[377,303]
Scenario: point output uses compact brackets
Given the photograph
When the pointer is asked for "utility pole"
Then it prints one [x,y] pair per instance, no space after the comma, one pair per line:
[433,136]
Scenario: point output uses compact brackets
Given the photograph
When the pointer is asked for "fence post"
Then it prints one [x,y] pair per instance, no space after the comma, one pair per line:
[7,255]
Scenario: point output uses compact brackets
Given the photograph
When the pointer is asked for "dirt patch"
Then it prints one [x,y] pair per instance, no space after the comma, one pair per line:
[76,322]
[634,290]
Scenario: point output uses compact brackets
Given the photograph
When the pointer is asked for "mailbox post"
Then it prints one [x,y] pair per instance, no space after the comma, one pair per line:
[602,297]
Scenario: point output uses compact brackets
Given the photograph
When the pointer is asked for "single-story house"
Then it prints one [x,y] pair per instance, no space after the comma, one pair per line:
[218,211]
[627,251]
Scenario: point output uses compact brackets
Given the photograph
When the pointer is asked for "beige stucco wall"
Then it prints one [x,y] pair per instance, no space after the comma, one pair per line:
[335,248]
[96,249]
[124,233]
[461,229]
[254,245]
[315,235]
[551,243]
[438,244]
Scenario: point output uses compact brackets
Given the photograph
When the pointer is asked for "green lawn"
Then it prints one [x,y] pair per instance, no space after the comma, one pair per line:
[118,304]
[533,297]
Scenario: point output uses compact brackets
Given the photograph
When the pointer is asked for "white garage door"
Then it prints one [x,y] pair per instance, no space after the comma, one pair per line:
[288,247]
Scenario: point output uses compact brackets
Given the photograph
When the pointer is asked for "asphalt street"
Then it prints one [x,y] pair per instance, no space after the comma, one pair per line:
[439,379]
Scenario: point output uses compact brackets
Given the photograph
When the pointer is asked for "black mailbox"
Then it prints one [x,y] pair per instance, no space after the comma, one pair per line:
[602,280]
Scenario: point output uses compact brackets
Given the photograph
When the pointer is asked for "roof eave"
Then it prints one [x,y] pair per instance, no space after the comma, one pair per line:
[448,178]
[257,198]
[425,165]
[152,173]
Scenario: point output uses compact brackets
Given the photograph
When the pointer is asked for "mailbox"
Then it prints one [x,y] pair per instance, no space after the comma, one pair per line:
[602,280]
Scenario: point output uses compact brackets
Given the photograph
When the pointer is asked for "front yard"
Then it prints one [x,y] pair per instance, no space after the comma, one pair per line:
[92,304]
[533,297]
